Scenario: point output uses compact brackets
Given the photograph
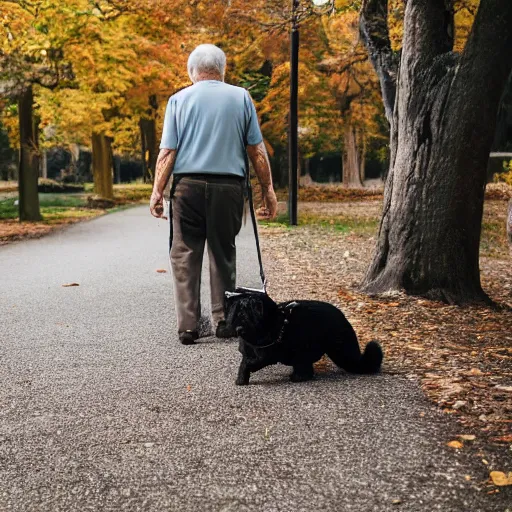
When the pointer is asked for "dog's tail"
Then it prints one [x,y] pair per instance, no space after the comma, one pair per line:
[351,359]
[371,359]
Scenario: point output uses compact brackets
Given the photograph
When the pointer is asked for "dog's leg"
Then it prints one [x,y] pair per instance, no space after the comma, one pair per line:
[244,374]
[302,371]
[248,366]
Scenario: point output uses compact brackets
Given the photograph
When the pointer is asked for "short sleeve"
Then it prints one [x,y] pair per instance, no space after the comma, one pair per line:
[253,135]
[170,131]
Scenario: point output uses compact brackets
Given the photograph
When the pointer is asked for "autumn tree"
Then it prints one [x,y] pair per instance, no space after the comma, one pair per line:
[354,86]
[441,106]
[31,55]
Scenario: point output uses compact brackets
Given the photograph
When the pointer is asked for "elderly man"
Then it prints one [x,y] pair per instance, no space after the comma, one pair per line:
[207,129]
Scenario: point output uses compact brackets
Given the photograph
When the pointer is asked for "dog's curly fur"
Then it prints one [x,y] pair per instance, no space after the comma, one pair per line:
[295,333]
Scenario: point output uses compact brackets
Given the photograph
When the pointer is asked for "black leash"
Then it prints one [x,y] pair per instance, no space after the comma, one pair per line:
[254,221]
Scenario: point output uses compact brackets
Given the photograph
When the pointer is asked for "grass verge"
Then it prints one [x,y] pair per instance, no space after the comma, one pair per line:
[341,223]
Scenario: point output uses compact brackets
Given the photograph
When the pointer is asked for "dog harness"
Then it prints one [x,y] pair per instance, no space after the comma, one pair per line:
[286,312]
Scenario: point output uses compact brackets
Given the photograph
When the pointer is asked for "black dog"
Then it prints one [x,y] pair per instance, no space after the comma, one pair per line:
[295,333]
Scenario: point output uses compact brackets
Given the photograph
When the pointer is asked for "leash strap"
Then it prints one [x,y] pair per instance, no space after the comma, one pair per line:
[253,217]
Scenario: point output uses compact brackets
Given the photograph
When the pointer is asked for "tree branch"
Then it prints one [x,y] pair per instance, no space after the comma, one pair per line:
[489,47]
[373,26]
[428,29]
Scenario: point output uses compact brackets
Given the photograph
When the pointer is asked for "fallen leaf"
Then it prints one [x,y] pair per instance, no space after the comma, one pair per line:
[455,444]
[396,502]
[393,304]
[70,284]
[501,479]
[189,387]
[343,294]
[503,439]
[508,389]
[415,347]
[467,437]
[161,270]
[467,477]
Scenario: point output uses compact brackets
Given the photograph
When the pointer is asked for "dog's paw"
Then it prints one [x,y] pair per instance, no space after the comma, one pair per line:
[241,382]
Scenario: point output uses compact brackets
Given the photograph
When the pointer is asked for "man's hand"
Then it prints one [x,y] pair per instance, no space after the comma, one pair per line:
[164,167]
[156,205]
[259,158]
[269,208]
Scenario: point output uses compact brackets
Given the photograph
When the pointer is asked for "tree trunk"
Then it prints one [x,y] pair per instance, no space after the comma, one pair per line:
[509,222]
[29,160]
[442,128]
[362,159]
[351,159]
[44,165]
[149,148]
[102,165]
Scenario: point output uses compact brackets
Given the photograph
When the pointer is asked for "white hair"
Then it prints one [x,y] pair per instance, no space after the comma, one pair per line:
[206,58]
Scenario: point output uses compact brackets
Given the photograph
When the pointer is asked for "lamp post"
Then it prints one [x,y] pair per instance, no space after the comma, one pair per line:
[293,135]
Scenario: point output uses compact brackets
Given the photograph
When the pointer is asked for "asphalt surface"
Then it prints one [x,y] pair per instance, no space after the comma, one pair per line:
[102,409]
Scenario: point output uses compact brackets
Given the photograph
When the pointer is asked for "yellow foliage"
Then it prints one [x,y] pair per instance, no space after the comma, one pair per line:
[465,11]
[506,175]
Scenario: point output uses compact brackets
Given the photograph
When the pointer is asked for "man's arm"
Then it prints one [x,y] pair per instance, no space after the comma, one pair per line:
[164,167]
[259,159]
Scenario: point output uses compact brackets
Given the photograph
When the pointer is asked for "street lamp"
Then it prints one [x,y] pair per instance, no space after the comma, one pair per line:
[293,147]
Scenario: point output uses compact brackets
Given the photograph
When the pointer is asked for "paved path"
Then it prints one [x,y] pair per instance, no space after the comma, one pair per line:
[102,409]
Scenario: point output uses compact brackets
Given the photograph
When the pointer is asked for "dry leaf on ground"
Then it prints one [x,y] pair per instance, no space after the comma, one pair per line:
[501,479]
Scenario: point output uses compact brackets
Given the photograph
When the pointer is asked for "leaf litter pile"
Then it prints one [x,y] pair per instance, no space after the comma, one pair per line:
[461,356]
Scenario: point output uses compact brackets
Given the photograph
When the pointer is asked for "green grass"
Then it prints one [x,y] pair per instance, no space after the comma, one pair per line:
[127,192]
[7,209]
[56,205]
[63,200]
[337,223]
[493,242]
[52,206]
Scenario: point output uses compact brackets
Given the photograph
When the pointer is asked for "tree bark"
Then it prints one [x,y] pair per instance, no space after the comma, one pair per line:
[442,127]
[149,148]
[509,222]
[29,160]
[351,159]
[102,166]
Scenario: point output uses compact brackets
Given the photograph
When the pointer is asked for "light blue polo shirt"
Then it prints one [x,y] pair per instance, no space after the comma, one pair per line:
[207,124]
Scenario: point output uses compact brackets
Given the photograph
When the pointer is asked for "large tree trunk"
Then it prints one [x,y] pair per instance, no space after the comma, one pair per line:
[102,165]
[351,159]
[442,127]
[29,159]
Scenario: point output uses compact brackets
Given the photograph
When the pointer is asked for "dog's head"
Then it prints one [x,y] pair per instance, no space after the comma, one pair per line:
[252,313]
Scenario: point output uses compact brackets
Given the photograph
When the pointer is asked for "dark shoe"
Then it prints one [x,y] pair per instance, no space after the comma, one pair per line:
[224,330]
[188,337]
